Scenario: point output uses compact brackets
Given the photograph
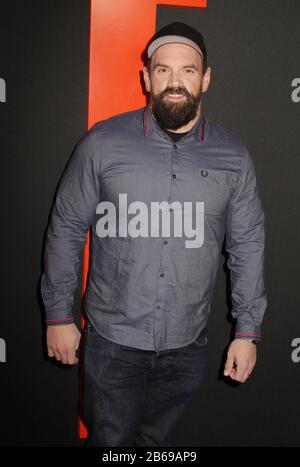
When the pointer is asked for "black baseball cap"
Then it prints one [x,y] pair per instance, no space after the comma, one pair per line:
[178,33]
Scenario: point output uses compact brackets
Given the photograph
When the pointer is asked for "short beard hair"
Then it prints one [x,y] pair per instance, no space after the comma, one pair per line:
[173,115]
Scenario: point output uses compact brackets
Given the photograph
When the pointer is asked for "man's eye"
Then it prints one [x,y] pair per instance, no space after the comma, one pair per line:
[162,70]
[189,70]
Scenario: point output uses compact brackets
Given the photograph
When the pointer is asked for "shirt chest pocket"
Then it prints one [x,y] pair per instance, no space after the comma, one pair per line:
[215,187]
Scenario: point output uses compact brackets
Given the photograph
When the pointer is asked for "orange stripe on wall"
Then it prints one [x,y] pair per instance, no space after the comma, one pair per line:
[119,32]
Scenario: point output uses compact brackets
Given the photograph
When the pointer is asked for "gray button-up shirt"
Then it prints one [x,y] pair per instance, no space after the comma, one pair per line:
[152,291]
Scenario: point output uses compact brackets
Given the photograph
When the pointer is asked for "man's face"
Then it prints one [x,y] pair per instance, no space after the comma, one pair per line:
[175,83]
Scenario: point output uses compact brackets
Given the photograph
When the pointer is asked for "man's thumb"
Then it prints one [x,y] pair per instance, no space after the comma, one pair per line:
[228,366]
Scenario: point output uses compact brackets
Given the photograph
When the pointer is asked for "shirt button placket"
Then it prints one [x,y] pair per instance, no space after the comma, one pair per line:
[164,263]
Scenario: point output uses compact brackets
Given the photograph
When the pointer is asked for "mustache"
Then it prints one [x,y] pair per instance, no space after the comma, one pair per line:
[178,90]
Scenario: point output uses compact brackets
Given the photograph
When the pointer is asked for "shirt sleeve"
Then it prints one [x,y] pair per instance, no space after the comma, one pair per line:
[73,212]
[245,239]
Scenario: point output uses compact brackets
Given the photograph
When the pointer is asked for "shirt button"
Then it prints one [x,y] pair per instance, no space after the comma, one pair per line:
[175,146]
[158,307]
[204,173]
[170,209]
[162,275]
[174,175]
[166,242]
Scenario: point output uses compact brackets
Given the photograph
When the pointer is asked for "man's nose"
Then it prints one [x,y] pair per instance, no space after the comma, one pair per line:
[174,79]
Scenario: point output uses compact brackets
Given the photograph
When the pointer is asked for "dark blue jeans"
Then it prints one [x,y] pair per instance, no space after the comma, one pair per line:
[134,397]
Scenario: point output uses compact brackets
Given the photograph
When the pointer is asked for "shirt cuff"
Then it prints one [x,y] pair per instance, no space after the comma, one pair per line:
[59,321]
[246,331]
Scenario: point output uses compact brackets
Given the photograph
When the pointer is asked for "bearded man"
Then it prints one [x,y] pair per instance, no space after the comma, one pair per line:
[148,296]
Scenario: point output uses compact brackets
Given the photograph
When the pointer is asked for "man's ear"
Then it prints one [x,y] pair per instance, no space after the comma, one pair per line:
[206,79]
[147,79]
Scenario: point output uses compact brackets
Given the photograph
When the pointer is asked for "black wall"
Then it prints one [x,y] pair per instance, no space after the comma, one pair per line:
[253,49]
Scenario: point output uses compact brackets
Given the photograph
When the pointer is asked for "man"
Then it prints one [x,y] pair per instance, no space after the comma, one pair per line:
[150,286]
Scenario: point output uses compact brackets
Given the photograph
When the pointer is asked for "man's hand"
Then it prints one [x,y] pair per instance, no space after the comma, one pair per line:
[241,359]
[62,342]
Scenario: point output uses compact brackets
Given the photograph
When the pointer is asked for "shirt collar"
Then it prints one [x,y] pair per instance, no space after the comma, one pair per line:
[150,125]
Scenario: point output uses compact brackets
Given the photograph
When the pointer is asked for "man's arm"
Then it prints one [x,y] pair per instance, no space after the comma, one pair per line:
[72,214]
[245,240]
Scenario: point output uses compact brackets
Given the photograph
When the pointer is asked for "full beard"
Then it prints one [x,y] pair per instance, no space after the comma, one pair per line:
[174,115]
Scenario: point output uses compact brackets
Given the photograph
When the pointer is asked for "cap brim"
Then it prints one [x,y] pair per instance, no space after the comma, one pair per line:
[172,40]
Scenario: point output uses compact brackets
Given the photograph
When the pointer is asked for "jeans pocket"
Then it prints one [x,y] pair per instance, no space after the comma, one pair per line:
[200,341]
[89,328]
